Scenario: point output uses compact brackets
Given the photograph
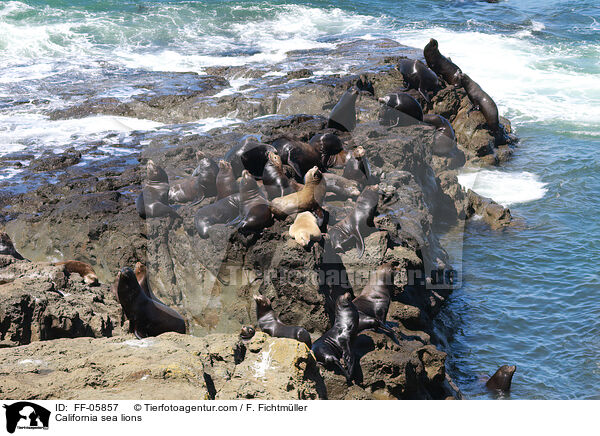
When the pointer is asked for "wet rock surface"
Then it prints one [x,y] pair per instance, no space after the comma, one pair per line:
[89,214]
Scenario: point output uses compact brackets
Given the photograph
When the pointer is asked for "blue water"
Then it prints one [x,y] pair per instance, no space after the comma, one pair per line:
[529,294]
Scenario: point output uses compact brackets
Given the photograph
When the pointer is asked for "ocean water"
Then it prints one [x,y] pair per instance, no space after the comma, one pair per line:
[529,295]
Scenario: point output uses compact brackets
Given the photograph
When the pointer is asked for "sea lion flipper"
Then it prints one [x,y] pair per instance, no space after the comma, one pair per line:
[391,333]
[425,96]
[360,243]
[138,334]
[234,221]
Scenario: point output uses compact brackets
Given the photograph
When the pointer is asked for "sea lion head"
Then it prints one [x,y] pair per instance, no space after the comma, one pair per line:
[344,300]
[275,160]
[247,332]
[314,175]
[263,305]
[156,173]
[331,144]
[224,165]
[358,152]
[433,43]
[247,181]
[502,378]
[139,270]
[200,155]
[127,289]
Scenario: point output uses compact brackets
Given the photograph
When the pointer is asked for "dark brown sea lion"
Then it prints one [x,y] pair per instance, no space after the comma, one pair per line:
[400,109]
[298,155]
[7,247]
[247,332]
[147,316]
[255,213]
[308,198]
[482,102]
[502,379]
[141,274]
[336,343]
[329,146]
[341,186]
[274,179]
[226,181]
[254,155]
[444,139]
[357,223]
[440,64]
[418,76]
[85,270]
[206,171]
[358,168]
[374,301]
[270,323]
[365,85]
[223,211]
[153,201]
[343,114]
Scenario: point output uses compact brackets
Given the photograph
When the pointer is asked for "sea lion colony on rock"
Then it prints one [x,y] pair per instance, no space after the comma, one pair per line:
[292,177]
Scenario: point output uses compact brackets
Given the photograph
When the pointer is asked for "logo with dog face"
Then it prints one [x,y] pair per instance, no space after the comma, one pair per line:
[26,415]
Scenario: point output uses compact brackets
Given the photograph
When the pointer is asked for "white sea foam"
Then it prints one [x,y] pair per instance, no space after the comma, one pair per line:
[28,129]
[503,187]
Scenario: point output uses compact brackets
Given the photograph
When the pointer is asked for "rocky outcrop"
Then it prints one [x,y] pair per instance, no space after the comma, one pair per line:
[89,215]
[167,367]
[41,302]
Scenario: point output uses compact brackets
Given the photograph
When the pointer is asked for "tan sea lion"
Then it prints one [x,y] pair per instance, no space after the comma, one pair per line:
[307,199]
[305,229]
[85,270]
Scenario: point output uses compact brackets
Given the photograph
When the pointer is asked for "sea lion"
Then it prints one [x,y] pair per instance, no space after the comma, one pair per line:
[7,247]
[270,323]
[153,201]
[357,167]
[247,332]
[147,316]
[255,213]
[85,270]
[341,186]
[223,211]
[400,109]
[305,229]
[274,179]
[418,76]
[206,171]
[298,155]
[481,101]
[364,84]
[248,154]
[329,146]
[307,199]
[343,114]
[226,181]
[336,343]
[440,64]
[141,274]
[502,379]
[357,223]
[374,301]
[444,139]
